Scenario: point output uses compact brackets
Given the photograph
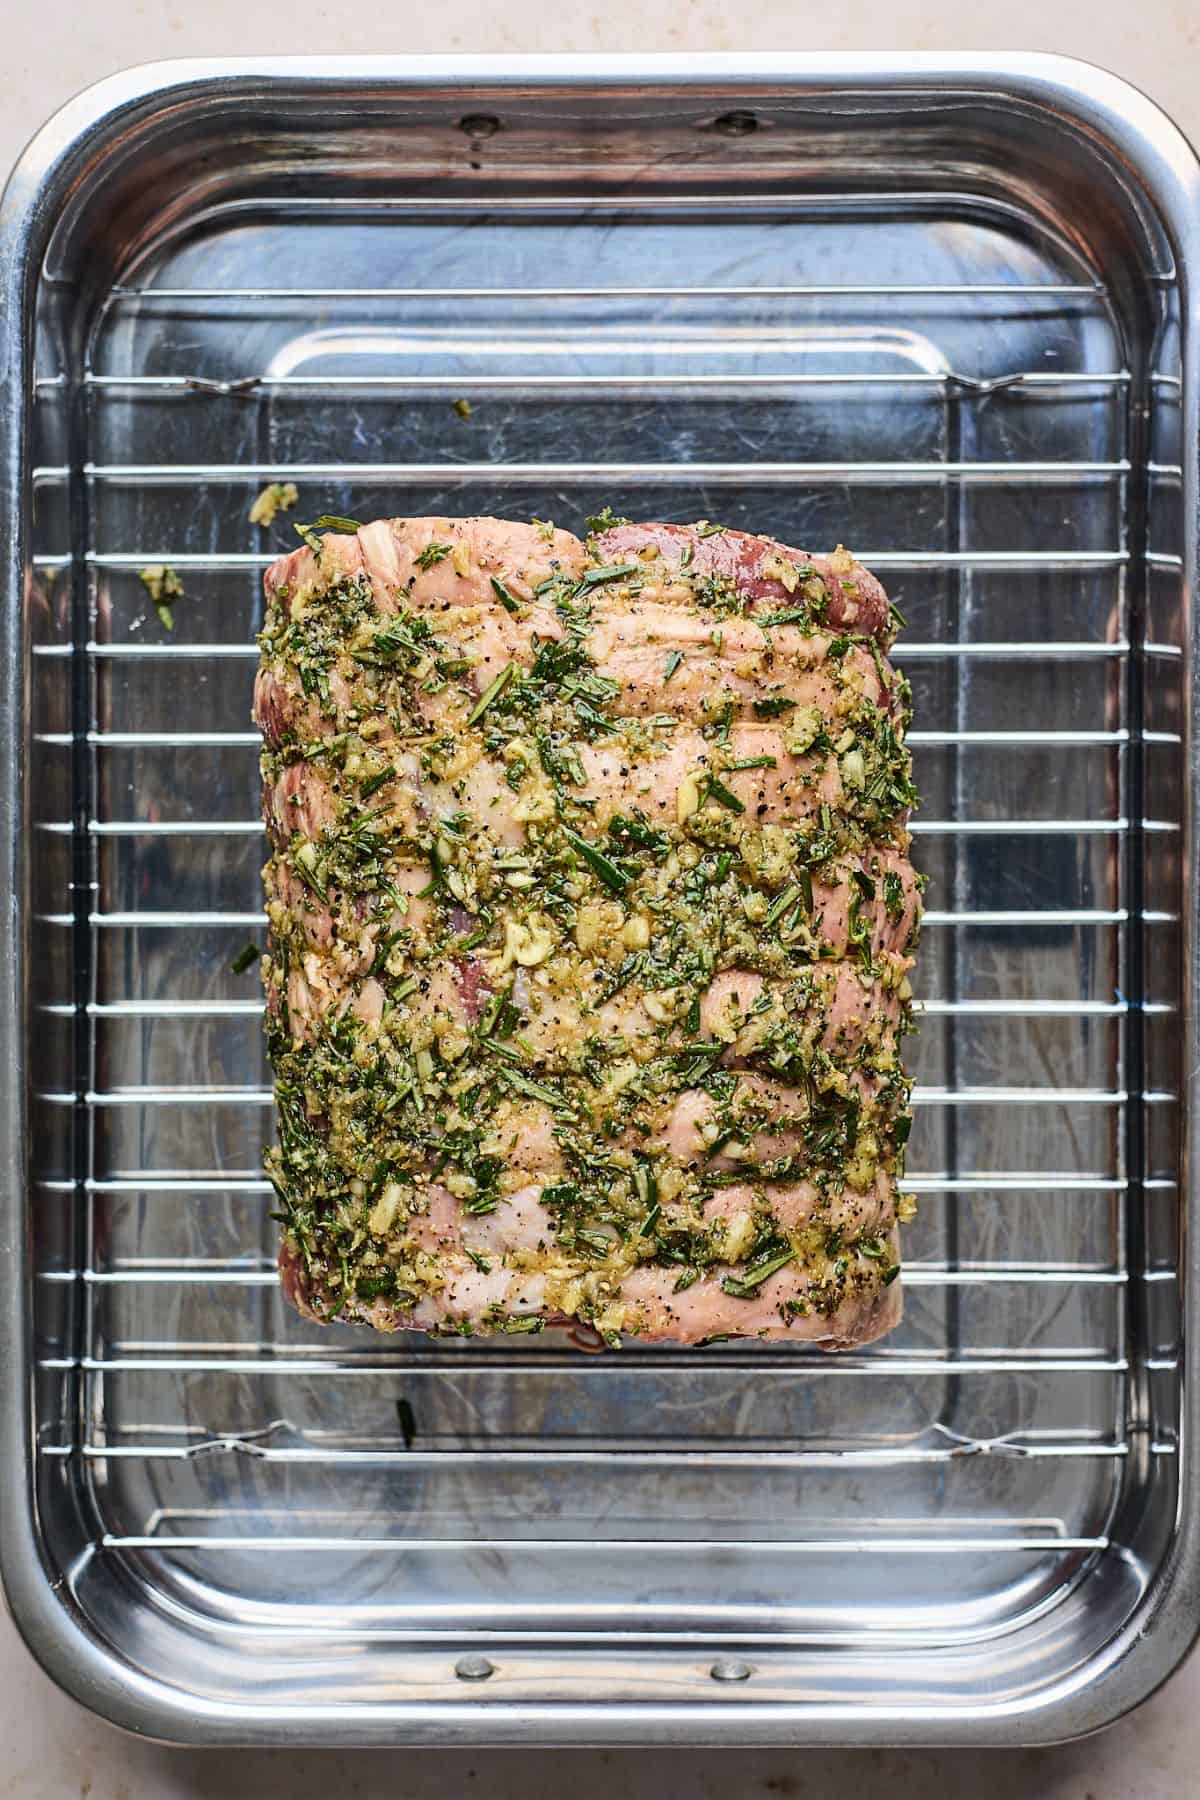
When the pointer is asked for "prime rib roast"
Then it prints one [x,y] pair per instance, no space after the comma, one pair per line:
[591,922]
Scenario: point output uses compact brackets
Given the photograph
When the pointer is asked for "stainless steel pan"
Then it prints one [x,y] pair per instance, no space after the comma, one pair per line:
[938,308]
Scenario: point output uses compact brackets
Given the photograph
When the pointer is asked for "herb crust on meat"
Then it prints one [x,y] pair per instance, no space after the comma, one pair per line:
[591,922]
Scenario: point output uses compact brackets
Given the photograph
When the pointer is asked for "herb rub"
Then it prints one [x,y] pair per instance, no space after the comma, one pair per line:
[591,922]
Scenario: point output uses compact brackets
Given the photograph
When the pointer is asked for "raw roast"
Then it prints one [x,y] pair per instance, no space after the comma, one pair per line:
[591,921]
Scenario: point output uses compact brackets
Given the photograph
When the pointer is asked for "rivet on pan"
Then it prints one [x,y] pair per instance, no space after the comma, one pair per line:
[731,1668]
[474,1668]
[736,124]
[479,125]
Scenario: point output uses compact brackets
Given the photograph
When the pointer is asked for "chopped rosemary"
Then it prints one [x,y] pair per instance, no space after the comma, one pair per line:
[715,789]
[781,904]
[609,572]
[326,522]
[601,866]
[491,693]
[744,1287]
[604,520]
[373,783]
[508,601]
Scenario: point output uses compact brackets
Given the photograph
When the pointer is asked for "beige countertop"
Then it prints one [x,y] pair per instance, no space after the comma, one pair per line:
[55,47]
[50,1748]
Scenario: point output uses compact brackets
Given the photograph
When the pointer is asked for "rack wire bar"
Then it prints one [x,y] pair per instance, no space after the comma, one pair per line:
[243,740]
[1020,827]
[850,1546]
[189,474]
[910,650]
[295,1362]
[919,1274]
[482,381]
[238,1181]
[135,560]
[386,1457]
[933,919]
[980,1009]
[710,290]
[922,1096]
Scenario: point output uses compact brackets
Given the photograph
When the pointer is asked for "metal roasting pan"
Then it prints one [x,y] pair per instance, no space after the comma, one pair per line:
[939,308]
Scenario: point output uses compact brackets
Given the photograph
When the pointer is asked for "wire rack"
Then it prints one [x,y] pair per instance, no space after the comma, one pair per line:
[969,423]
